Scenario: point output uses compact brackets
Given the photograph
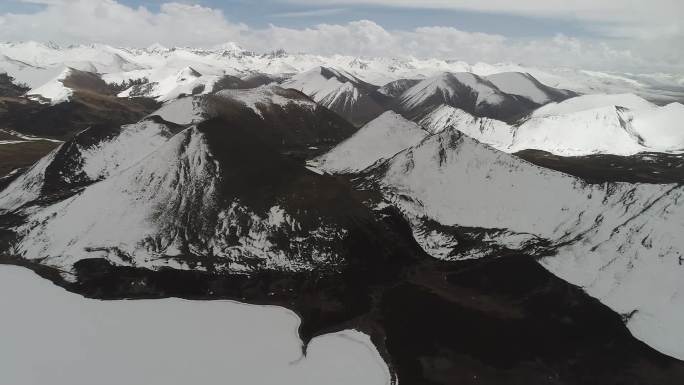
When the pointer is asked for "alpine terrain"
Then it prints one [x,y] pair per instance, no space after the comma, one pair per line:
[424,221]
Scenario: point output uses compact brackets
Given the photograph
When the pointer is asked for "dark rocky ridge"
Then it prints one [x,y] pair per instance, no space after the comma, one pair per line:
[396,88]
[9,87]
[293,129]
[600,168]
[63,120]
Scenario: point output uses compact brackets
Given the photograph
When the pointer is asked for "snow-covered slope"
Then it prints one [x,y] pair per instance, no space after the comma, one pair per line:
[463,90]
[395,88]
[590,102]
[491,131]
[134,196]
[611,124]
[54,90]
[157,210]
[583,125]
[27,74]
[379,139]
[186,82]
[288,117]
[620,242]
[352,98]
[599,130]
[525,85]
[92,155]
[661,128]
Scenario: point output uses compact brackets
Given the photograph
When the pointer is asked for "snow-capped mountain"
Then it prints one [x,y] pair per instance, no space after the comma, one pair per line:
[487,130]
[379,139]
[357,101]
[525,85]
[466,91]
[136,174]
[458,183]
[35,64]
[588,124]
[396,88]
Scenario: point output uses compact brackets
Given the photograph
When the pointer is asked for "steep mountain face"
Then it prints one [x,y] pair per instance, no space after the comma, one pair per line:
[213,198]
[355,100]
[286,118]
[255,80]
[138,172]
[9,88]
[525,85]
[456,191]
[397,87]
[466,91]
[494,132]
[379,139]
[92,155]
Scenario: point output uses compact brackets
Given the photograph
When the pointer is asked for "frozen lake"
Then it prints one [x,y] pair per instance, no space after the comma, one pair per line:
[51,336]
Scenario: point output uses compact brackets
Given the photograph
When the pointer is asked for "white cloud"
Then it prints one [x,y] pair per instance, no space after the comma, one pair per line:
[627,18]
[311,13]
[110,22]
[366,38]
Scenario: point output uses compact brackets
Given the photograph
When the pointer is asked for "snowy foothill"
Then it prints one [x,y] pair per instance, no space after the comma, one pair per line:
[53,91]
[51,336]
[589,124]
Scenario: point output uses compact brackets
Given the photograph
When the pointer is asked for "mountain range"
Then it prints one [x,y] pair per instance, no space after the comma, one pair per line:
[480,223]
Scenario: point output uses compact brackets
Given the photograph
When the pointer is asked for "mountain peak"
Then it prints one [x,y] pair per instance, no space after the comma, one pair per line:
[156,48]
[187,73]
[379,139]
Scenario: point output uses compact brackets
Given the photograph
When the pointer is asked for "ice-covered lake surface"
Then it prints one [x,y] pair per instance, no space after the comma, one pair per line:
[51,336]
